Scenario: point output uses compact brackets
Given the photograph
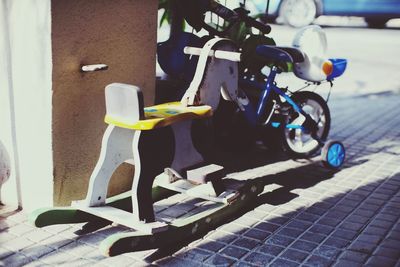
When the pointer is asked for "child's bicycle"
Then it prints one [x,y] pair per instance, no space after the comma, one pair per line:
[300,121]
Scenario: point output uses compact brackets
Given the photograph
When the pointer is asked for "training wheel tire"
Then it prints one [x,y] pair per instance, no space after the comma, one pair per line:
[333,154]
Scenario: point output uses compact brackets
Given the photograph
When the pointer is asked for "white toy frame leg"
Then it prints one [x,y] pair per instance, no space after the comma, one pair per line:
[116,148]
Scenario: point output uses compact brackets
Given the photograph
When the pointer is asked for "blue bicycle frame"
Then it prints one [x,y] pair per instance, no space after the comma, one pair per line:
[254,116]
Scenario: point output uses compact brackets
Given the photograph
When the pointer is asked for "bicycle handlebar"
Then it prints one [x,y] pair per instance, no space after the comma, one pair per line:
[194,14]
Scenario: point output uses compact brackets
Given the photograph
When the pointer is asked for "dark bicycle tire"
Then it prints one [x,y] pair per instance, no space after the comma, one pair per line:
[306,100]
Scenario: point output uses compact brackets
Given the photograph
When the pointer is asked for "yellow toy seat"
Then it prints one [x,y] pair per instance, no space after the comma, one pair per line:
[163,115]
[124,104]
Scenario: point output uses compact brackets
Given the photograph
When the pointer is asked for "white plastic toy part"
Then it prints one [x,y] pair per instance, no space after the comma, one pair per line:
[214,77]
[312,41]
[124,103]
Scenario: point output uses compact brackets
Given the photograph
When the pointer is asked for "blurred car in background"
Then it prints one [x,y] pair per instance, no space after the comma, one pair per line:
[299,13]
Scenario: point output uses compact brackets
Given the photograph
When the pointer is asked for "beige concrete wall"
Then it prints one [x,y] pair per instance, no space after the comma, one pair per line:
[119,33]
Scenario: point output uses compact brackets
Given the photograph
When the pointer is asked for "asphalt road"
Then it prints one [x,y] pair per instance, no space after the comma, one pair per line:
[373,57]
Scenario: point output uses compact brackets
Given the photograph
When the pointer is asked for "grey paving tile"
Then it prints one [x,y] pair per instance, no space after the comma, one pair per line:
[319,261]
[270,249]
[17,244]
[6,236]
[57,228]
[345,208]
[363,247]
[344,234]
[327,252]
[222,236]
[380,261]
[19,217]
[246,243]
[308,217]
[283,262]
[56,241]
[242,264]
[219,260]
[300,225]
[91,239]
[277,220]
[346,263]
[78,248]
[373,239]
[194,254]
[233,252]
[358,219]
[257,234]
[4,252]
[290,232]
[177,262]
[313,237]
[336,242]
[20,229]
[394,235]
[329,221]
[294,255]
[259,259]
[316,211]
[36,251]
[352,226]
[304,245]
[391,243]
[56,258]
[210,245]
[339,215]
[15,260]
[387,217]
[321,229]
[120,260]
[388,252]
[36,263]
[373,230]
[280,240]
[266,226]
[233,228]
[354,256]
[38,235]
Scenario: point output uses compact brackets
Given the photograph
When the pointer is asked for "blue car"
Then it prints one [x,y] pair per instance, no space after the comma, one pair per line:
[299,13]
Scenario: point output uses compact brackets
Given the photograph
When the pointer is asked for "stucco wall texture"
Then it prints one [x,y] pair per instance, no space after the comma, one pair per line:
[119,33]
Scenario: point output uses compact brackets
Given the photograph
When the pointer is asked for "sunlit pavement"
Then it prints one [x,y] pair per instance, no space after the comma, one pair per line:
[307,215]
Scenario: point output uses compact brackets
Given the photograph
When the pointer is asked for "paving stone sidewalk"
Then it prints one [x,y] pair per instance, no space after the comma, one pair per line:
[307,216]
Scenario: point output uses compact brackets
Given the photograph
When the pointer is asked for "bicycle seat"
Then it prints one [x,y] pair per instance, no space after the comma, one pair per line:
[280,54]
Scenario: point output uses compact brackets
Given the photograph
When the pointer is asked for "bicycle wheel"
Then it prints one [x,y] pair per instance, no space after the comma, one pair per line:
[298,142]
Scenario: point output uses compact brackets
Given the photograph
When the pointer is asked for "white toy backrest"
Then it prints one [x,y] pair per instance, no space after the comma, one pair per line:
[124,103]
[312,41]
[213,76]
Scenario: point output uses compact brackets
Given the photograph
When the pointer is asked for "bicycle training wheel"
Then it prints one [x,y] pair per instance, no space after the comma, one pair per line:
[298,142]
[333,154]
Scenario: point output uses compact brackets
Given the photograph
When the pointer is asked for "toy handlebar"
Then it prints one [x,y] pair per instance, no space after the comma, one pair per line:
[220,54]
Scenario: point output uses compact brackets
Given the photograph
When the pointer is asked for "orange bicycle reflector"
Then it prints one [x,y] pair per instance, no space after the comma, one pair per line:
[327,67]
